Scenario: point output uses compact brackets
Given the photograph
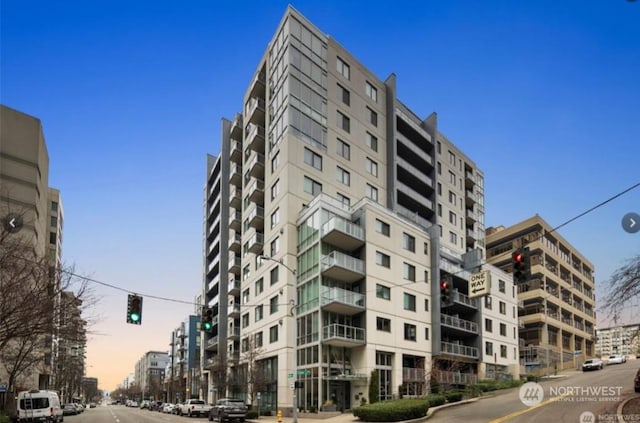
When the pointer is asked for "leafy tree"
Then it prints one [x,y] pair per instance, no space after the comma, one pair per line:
[374,387]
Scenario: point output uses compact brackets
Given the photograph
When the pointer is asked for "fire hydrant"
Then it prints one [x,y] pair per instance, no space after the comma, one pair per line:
[279,415]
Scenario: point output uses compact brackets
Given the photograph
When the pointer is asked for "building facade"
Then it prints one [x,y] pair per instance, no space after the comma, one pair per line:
[149,374]
[558,300]
[331,215]
[623,339]
[182,375]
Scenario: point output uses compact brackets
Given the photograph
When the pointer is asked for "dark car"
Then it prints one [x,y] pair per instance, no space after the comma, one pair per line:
[228,409]
[636,382]
[69,410]
[592,364]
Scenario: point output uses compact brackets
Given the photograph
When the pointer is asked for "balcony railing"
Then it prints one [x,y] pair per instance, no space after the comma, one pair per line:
[459,349]
[346,267]
[457,378]
[461,298]
[459,323]
[342,232]
[338,331]
[330,295]
[411,374]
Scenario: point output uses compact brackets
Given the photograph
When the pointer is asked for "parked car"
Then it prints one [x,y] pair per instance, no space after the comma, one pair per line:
[69,410]
[616,359]
[228,409]
[36,405]
[168,408]
[592,364]
[194,407]
[636,382]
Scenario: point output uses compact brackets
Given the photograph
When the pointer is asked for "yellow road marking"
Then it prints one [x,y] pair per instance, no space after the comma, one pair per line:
[526,410]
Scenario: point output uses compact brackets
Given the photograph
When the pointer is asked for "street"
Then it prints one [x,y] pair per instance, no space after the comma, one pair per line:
[603,391]
[122,414]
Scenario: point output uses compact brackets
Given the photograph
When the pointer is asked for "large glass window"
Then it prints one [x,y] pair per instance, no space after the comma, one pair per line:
[408,272]
[409,302]
[343,68]
[312,159]
[383,259]
[408,242]
[383,292]
[312,187]
[383,324]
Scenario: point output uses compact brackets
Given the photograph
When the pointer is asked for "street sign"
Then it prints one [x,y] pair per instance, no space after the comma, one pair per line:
[304,372]
[3,388]
[292,385]
[479,284]
[258,395]
[290,375]
[577,352]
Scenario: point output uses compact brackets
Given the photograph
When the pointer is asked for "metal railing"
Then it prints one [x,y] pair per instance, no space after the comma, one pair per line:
[343,296]
[336,258]
[340,331]
[457,322]
[459,349]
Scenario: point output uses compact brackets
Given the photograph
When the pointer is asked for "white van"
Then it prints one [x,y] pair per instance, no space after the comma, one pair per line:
[39,406]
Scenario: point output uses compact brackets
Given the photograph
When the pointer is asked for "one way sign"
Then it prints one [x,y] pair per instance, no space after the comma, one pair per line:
[479,284]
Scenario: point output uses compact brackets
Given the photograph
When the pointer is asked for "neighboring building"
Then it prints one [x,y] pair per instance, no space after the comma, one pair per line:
[24,190]
[558,314]
[90,391]
[149,374]
[624,339]
[331,214]
[182,375]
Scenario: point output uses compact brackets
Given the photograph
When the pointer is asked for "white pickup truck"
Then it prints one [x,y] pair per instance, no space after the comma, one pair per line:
[193,407]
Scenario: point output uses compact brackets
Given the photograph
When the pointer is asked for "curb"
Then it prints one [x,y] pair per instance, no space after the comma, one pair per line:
[619,415]
[434,410]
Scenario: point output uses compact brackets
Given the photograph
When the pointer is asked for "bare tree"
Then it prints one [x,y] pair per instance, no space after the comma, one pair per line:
[441,375]
[623,288]
[220,375]
[255,379]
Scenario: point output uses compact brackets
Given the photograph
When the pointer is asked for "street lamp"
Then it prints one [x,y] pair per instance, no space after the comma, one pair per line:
[294,404]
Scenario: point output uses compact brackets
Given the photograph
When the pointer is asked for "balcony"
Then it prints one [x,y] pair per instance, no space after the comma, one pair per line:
[233,286]
[234,311]
[255,111]
[417,173]
[470,196]
[454,270]
[256,217]
[459,325]
[255,137]
[410,192]
[235,151]
[255,164]
[212,343]
[234,241]
[465,301]
[457,378]
[235,175]
[255,188]
[341,301]
[459,350]
[235,197]
[450,254]
[211,363]
[472,217]
[234,333]
[343,233]
[342,267]
[257,87]
[234,263]
[469,179]
[236,127]
[413,374]
[472,235]
[235,218]
[256,242]
[339,335]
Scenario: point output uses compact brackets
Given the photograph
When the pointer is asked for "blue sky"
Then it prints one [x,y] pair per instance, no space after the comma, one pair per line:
[542,95]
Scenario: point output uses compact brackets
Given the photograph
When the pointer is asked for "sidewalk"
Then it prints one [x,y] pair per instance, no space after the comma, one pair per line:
[304,418]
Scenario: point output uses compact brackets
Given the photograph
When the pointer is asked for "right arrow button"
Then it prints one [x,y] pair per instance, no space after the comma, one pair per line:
[631,222]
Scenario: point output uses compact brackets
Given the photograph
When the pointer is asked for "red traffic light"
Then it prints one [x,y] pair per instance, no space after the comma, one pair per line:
[443,284]
[518,257]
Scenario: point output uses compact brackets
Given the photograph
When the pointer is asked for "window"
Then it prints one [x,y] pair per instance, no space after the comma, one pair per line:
[503,351]
[383,259]
[275,275]
[273,305]
[488,325]
[275,189]
[344,95]
[452,218]
[383,227]
[246,272]
[439,210]
[372,193]
[426,248]
[312,159]
[439,147]
[372,167]
[344,122]
[245,320]
[426,334]
[259,287]
[503,308]
[312,187]
[409,332]
[501,286]
[488,348]
[383,292]
[273,334]
[275,218]
[275,246]
[52,237]
[409,272]
[245,296]
[371,92]
[275,162]
[54,206]
[452,197]
[426,304]
[258,313]
[453,238]
[373,116]
[372,142]
[503,329]
[258,339]
[452,178]
[343,68]
[487,302]
[383,324]
[343,176]
[452,159]
[54,221]
[409,302]
[408,242]
[439,187]
[344,200]
[344,150]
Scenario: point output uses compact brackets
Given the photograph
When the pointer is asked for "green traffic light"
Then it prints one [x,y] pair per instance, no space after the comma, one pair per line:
[134,317]
[208,326]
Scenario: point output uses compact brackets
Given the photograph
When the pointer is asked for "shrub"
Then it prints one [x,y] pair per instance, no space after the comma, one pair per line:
[393,411]
[252,414]
[453,396]
[374,387]
[436,400]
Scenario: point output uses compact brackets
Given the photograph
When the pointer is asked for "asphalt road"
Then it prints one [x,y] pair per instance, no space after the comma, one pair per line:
[565,400]
[122,414]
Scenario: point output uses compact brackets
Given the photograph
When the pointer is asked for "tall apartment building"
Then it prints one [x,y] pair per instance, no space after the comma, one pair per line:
[182,374]
[331,214]
[24,191]
[623,339]
[558,314]
[149,374]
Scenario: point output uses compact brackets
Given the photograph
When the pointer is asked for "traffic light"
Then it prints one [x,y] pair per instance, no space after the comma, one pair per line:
[207,319]
[445,292]
[521,262]
[134,309]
